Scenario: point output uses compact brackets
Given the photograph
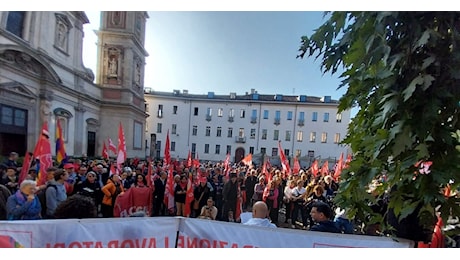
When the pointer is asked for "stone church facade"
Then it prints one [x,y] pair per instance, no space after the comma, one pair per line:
[43,79]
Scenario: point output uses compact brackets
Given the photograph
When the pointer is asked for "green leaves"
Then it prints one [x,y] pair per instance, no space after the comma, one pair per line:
[402,70]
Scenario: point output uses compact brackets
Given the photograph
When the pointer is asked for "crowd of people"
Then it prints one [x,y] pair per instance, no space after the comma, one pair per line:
[84,188]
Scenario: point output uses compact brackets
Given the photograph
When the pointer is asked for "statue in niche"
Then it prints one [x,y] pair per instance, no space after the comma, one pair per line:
[116,18]
[61,35]
[113,67]
[45,106]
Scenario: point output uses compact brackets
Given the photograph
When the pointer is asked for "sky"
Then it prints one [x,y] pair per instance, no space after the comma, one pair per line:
[225,52]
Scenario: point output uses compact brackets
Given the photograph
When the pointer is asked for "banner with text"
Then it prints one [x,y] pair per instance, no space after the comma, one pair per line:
[161,232]
[90,233]
[200,233]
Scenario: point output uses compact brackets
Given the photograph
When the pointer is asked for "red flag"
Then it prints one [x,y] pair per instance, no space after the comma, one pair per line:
[121,158]
[196,161]
[169,191]
[296,167]
[105,153]
[347,161]
[133,200]
[112,147]
[112,170]
[42,152]
[239,205]
[265,170]
[189,159]
[314,168]
[167,154]
[325,168]
[284,160]
[189,197]
[338,167]
[247,160]
[447,191]
[25,168]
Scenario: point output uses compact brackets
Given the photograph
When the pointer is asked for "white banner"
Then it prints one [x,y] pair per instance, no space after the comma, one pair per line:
[199,233]
[161,232]
[90,233]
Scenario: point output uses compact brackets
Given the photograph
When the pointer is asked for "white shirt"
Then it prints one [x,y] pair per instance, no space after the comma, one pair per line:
[296,192]
[260,222]
[288,192]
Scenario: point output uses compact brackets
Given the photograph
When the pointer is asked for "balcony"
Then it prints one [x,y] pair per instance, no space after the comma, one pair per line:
[277,121]
[208,118]
[253,120]
[301,122]
[240,139]
[230,119]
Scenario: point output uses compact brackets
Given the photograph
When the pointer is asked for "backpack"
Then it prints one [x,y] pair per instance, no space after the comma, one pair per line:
[41,194]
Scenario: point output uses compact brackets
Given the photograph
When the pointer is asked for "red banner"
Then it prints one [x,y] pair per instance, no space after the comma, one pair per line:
[133,200]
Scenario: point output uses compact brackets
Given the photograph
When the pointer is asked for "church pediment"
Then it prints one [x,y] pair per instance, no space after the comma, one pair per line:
[27,62]
[18,89]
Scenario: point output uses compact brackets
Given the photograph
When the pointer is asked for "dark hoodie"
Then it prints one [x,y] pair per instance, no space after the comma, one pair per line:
[325,226]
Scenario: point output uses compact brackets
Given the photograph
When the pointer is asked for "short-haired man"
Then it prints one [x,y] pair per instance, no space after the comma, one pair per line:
[321,213]
[260,216]
[54,197]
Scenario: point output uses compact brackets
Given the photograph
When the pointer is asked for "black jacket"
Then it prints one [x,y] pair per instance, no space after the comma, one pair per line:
[326,226]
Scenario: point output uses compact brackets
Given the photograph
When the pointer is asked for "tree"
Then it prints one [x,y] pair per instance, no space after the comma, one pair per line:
[402,70]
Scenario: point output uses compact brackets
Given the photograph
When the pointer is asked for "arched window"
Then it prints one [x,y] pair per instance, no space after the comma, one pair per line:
[15,23]
[63,116]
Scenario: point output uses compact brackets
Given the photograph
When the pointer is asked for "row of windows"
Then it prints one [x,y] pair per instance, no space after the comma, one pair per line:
[252,135]
[13,116]
[217,150]
[231,114]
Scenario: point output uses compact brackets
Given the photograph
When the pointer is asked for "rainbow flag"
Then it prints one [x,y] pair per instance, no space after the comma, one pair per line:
[61,156]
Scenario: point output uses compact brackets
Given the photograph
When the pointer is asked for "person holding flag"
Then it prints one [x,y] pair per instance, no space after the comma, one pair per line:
[42,153]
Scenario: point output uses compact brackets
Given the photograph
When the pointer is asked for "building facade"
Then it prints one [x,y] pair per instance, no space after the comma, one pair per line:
[43,79]
[210,126]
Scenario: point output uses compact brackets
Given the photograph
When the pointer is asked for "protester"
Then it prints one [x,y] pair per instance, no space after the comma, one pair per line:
[76,206]
[259,190]
[270,197]
[298,198]
[209,211]
[260,214]
[250,182]
[229,196]
[180,192]
[201,194]
[23,204]
[11,161]
[90,188]
[10,180]
[111,190]
[159,207]
[140,181]
[54,196]
[4,195]
[342,222]
[321,214]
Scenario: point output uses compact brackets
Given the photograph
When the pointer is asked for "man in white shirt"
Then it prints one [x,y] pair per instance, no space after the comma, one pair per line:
[260,216]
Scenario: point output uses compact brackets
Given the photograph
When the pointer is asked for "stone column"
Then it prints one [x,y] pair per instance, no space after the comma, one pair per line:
[79,130]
